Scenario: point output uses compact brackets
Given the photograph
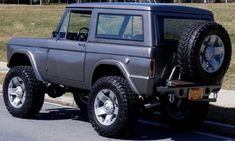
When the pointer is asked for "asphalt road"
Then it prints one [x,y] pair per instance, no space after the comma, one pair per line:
[60,123]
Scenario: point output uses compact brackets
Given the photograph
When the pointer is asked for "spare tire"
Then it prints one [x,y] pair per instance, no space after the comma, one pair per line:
[204,53]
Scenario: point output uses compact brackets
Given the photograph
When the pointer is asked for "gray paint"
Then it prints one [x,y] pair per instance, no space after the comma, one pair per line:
[72,63]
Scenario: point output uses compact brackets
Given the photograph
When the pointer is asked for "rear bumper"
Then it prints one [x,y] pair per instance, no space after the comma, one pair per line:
[209,92]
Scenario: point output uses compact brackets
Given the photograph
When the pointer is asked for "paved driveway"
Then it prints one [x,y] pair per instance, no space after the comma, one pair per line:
[59,123]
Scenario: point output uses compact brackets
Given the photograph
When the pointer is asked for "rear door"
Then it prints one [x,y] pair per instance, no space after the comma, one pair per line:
[66,60]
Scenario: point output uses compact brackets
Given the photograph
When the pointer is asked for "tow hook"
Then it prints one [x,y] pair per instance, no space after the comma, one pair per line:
[171,97]
[216,95]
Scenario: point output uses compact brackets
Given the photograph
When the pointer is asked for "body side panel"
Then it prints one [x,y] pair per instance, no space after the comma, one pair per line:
[135,70]
[131,57]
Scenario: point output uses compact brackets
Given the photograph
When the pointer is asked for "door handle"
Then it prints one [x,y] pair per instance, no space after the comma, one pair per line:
[81,44]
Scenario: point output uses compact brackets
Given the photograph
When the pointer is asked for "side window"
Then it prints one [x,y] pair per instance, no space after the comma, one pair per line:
[76,26]
[172,28]
[120,27]
[64,27]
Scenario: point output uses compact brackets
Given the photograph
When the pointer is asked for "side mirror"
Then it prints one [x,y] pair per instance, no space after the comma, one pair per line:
[54,34]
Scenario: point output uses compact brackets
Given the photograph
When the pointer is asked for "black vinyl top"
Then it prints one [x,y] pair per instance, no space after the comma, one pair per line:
[143,6]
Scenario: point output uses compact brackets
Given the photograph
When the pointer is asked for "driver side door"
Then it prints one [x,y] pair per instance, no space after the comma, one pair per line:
[65,62]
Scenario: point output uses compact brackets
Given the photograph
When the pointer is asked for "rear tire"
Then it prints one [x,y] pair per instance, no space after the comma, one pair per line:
[189,114]
[23,94]
[114,95]
[81,99]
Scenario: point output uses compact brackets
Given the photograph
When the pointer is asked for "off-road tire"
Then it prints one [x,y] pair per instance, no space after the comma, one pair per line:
[189,51]
[34,92]
[80,101]
[128,107]
[196,113]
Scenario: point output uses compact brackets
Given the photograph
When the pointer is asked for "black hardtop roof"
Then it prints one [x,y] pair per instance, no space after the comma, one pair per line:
[164,7]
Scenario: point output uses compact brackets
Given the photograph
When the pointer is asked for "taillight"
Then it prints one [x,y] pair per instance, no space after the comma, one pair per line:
[152,67]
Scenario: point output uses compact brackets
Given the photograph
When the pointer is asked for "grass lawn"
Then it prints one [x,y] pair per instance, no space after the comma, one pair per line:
[2,76]
[31,21]
[40,21]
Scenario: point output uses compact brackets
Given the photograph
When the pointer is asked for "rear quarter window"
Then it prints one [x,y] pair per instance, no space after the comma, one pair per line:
[120,27]
[171,29]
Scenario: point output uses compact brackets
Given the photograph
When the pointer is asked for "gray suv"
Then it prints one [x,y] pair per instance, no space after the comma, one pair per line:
[119,59]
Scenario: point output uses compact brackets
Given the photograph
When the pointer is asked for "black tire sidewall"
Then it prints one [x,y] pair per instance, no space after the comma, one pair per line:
[79,101]
[127,110]
[13,73]
[227,54]
[35,92]
[188,54]
[93,95]
[197,112]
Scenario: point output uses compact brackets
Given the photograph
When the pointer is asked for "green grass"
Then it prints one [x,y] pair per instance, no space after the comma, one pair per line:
[2,76]
[224,14]
[2,50]
[40,21]
[30,21]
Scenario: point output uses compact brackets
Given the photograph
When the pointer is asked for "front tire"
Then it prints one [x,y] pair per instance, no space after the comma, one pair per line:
[23,94]
[113,107]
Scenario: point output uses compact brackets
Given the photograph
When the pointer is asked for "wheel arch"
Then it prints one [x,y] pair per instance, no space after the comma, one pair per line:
[112,67]
[24,58]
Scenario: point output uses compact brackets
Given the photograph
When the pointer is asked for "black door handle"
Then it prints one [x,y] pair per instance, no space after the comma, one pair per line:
[81,44]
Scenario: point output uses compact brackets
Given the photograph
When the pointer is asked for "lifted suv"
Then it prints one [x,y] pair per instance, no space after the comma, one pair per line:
[118,58]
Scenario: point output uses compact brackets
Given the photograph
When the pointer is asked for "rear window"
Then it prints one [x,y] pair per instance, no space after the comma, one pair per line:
[120,27]
[173,28]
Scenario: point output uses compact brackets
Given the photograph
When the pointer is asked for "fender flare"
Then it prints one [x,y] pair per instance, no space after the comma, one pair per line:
[121,67]
[32,62]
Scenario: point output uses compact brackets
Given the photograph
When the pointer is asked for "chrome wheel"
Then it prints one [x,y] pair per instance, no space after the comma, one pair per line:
[106,107]
[16,92]
[212,53]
